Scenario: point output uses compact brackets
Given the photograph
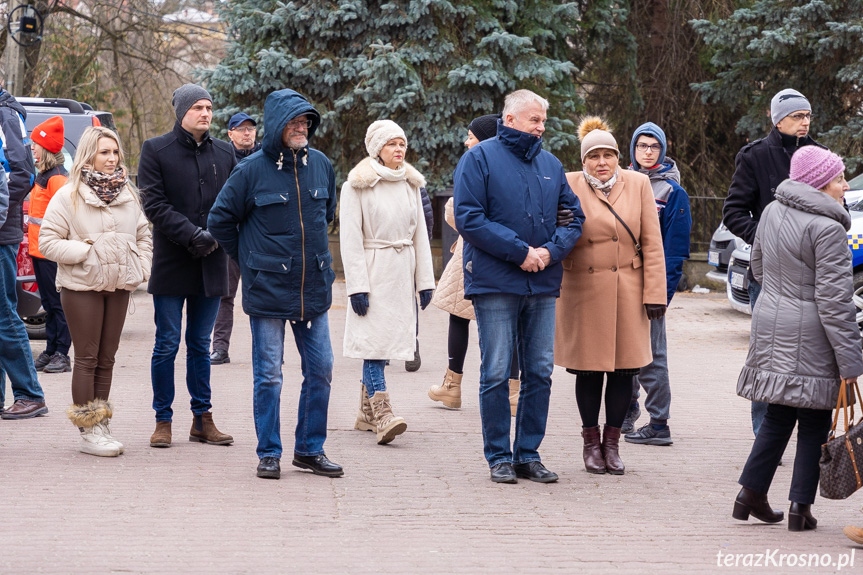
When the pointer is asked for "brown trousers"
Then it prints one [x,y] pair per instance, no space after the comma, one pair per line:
[95,321]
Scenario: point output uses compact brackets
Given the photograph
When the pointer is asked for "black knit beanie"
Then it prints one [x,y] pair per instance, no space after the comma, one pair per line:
[484,127]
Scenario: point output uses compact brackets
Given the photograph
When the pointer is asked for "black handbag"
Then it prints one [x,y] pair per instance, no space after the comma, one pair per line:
[842,457]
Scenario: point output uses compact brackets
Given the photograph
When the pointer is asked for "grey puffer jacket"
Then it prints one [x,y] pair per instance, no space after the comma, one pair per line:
[804,333]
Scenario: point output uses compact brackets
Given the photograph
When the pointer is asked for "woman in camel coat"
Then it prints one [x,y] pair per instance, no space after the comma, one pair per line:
[609,292]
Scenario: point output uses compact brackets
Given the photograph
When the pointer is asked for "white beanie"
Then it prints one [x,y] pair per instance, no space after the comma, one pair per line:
[381,132]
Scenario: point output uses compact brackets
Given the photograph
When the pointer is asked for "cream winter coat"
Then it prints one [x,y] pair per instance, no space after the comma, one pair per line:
[386,253]
[97,246]
[449,295]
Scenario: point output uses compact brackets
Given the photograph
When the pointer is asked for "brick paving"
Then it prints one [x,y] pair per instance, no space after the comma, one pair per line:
[423,504]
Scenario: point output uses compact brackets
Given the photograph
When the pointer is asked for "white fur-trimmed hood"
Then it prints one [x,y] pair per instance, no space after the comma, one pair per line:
[363,176]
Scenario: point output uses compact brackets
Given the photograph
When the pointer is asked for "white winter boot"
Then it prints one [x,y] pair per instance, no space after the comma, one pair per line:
[87,418]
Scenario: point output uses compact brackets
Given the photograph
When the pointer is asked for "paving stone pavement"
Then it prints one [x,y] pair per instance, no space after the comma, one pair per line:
[423,504]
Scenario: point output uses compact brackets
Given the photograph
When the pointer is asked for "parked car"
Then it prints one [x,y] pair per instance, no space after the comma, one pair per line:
[77,117]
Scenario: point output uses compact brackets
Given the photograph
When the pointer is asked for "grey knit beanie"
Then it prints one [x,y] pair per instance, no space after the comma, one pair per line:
[786,102]
[185,96]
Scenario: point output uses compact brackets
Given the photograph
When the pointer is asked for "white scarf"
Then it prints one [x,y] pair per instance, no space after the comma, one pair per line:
[604,187]
[388,174]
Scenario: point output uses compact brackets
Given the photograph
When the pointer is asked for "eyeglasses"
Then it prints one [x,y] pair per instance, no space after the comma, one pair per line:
[651,147]
[295,124]
[800,117]
[245,130]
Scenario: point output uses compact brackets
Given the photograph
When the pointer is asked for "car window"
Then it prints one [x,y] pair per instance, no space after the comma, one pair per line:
[856,183]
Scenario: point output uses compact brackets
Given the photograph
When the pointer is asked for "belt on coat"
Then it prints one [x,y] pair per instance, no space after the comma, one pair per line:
[398,245]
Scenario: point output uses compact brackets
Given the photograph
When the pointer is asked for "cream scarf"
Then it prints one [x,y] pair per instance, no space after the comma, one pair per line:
[388,174]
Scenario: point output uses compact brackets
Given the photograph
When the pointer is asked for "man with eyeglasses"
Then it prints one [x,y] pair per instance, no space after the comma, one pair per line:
[760,167]
[272,217]
[648,153]
[242,130]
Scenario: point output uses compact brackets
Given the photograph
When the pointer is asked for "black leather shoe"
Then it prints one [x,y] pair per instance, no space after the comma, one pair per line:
[750,502]
[219,357]
[503,473]
[318,464]
[535,471]
[269,468]
[800,517]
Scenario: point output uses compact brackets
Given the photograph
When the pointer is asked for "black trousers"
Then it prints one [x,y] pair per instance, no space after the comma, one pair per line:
[56,330]
[225,319]
[813,425]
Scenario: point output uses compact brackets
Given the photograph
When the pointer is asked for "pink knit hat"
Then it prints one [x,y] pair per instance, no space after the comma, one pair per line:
[815,166]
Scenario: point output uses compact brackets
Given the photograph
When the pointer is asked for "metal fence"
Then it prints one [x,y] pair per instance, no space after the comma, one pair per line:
[706,217]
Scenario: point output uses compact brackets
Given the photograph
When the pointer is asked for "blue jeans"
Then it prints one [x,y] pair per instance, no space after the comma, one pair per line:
[503,319]
[200,315]
[759,408]
[654,376]
[373,375]
[312,338]
[16,359]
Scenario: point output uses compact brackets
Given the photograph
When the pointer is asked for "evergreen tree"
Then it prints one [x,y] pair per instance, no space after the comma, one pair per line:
[430,65]
[813,46]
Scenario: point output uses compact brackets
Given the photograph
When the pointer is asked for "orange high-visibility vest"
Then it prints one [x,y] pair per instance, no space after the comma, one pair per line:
[43,190]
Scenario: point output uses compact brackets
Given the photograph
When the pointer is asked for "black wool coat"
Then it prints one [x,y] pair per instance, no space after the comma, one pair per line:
[179,181]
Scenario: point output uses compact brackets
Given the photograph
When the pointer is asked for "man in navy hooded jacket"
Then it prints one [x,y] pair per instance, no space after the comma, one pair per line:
[271,217]
[507,191]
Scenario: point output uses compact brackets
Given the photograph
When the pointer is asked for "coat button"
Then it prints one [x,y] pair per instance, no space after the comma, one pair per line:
[202,182]
[197,152]
[614,268]
[590,270]
[614,239]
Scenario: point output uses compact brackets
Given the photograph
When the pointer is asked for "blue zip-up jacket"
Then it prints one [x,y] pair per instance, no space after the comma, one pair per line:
[271,217]
[507,190]
[675,219]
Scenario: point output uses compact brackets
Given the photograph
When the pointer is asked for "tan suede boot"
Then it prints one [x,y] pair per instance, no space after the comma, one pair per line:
[204,430]
[449,392]
[162,436]
[388,425]
[514,388]
[365,417]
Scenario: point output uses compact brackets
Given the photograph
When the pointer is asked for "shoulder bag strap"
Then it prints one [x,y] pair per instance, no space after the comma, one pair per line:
[619,219]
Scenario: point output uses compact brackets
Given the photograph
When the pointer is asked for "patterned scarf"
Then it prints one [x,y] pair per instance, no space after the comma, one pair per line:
[604,187]
[106,186]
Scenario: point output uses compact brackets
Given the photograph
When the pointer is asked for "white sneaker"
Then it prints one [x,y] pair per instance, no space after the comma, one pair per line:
[94,443]
[105,430]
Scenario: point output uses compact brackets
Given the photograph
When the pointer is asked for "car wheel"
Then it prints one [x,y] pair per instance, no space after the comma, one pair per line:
[35,326]
[858,297]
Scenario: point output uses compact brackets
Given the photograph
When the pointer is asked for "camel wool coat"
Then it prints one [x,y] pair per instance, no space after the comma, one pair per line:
[601,324]
[386,253]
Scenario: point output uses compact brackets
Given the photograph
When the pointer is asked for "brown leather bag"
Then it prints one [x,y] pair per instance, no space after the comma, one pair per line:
[842,457]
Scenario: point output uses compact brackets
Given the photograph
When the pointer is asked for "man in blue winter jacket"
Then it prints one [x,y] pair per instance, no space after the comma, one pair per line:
[647,150]
[271,217]
[507,191]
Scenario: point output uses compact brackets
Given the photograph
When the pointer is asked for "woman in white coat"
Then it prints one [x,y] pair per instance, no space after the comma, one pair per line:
[387,260]
[95,230]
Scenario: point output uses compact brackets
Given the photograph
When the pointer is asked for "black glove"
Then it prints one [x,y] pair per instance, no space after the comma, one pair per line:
[425,298]
[654,310]
[202,244]
[360,303]
[564,216]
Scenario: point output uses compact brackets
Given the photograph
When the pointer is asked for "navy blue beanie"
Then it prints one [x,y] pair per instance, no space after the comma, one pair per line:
[654,131]
[484,127]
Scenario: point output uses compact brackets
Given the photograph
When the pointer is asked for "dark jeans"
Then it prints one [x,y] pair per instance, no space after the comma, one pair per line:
[200,315]
[225,318]
[758,408]
[56,331]
[813,425]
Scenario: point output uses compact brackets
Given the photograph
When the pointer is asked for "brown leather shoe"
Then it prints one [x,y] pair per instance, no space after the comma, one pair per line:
[594,462]
[24,409]
[162,436]
[610,446]
[204,430]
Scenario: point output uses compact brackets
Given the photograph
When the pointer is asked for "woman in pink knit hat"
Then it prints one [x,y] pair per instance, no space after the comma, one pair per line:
[804,335]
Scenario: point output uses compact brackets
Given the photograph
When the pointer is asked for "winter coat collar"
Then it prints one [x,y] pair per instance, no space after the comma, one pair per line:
[805,198]
[363,176]
[187,139]
[91,199]
[524,146]
[242,154]
[667,170]
[790,143]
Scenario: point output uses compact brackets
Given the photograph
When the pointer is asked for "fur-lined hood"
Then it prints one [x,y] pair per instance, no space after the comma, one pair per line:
[363,176]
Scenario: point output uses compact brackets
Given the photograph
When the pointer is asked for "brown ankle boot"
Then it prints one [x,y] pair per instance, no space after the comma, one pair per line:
[449,392]
[388,425]
[204,430]
[594,462]
[514,389]
[365,417]
[162,436]
[610,446]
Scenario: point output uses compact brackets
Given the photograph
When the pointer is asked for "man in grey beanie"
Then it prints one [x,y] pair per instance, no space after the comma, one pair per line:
[760,167]
[180,174]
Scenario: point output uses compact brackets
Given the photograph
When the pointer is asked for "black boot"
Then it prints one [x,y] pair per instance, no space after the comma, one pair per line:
[800,517]
[749,502]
